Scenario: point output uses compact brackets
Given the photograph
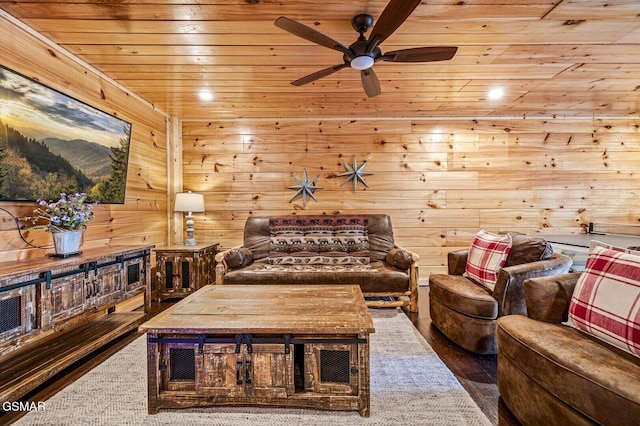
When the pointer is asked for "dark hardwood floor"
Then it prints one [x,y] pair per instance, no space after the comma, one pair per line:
[478,374]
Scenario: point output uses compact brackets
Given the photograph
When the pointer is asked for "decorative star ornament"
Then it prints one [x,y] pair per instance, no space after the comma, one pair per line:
[355,174]
[304,187]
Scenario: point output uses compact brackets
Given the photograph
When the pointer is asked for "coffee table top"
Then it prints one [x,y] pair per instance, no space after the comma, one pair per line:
[295,309]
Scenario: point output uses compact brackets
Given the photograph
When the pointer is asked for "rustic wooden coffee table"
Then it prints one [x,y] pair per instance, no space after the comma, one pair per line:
[271,345]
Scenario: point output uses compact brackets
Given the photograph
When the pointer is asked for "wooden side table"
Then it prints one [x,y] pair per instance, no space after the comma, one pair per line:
[181,270]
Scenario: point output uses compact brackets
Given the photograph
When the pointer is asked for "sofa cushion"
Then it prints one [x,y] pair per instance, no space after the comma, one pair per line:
[594,378]
[606,299]
[256,236]
[527,249]
[473,334]
[487,255]
[374,277]
[321,240]
[380,236]
[459,294]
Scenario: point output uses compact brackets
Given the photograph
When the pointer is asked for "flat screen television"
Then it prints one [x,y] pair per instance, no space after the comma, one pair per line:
[51,143]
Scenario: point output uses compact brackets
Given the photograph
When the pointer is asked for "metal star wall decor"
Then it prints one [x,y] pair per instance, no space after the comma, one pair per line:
[355,174]
[304,187]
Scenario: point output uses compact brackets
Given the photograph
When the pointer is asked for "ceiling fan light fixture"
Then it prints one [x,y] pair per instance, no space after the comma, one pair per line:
[363,62]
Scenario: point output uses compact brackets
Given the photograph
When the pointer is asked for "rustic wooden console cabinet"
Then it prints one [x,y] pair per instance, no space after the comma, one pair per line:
[291,346]
[55,311]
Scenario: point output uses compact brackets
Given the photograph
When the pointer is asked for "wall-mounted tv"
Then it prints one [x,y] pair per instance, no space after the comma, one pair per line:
[51,143]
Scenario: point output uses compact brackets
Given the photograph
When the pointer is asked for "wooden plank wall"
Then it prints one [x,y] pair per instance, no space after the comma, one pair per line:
[142,219]
[440,180]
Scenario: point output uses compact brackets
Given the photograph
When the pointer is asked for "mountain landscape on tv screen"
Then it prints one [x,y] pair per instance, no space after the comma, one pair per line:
[52,143]
[92,159]
[31,169]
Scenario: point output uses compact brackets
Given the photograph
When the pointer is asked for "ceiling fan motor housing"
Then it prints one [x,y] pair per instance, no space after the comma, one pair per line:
[362,22]
[361,58]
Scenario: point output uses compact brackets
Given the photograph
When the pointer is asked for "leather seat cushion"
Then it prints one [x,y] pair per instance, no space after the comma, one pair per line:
[462,295]
[381,277]
[596,379]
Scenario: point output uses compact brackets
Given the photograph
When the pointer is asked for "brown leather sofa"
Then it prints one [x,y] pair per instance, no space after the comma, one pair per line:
[390,276]
[549,373]
[466,312]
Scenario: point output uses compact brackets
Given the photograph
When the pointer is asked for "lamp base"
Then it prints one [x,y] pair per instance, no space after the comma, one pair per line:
[190,241]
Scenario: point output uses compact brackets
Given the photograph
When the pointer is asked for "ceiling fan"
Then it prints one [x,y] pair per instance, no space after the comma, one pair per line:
[363,53]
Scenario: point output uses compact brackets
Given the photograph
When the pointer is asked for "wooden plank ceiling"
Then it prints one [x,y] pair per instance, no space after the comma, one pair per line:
[577,58]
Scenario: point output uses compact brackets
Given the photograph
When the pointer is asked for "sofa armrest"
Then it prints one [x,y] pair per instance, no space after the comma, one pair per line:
[231,259]
[457,261]
[411,259]
[401,258]
[548,297]
[509,289]
[414,256]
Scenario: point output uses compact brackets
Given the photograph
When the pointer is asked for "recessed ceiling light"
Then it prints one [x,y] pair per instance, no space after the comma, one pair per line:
[205,95]
[496,93]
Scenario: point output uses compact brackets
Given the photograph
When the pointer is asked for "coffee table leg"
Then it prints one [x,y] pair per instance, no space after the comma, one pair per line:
[364,402]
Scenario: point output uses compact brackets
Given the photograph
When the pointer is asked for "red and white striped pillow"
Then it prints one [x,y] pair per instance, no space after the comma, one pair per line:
[606,299]
[487,255]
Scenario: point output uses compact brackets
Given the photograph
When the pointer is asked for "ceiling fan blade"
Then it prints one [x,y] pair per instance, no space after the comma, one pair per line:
[317,75]
[310,34]
[370,82]
[396,12]
[421,54]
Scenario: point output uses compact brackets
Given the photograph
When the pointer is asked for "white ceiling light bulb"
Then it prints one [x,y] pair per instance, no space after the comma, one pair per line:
[363,62]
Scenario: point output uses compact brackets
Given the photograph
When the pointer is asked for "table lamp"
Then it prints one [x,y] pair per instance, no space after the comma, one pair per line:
[189,202]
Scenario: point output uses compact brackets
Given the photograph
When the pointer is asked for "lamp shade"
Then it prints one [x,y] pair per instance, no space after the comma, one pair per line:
[189,202]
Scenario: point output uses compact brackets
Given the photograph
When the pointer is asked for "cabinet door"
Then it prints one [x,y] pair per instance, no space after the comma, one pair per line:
[270,371]
[331,368]
[220,371]
[17,312]
[104,286]
[65,298]
[177,275]
[134,276]
[265,372]
[178,367]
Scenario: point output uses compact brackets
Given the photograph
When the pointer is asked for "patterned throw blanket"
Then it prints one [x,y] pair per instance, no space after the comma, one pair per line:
[317,268]
[319,240]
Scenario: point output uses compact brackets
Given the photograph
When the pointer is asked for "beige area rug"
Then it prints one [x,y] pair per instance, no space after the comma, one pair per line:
[409,386]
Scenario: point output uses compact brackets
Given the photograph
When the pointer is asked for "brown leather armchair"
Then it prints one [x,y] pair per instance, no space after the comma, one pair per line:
[466,312]
[550,373]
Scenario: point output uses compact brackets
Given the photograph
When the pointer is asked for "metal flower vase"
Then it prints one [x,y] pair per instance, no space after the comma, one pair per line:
[67,242]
